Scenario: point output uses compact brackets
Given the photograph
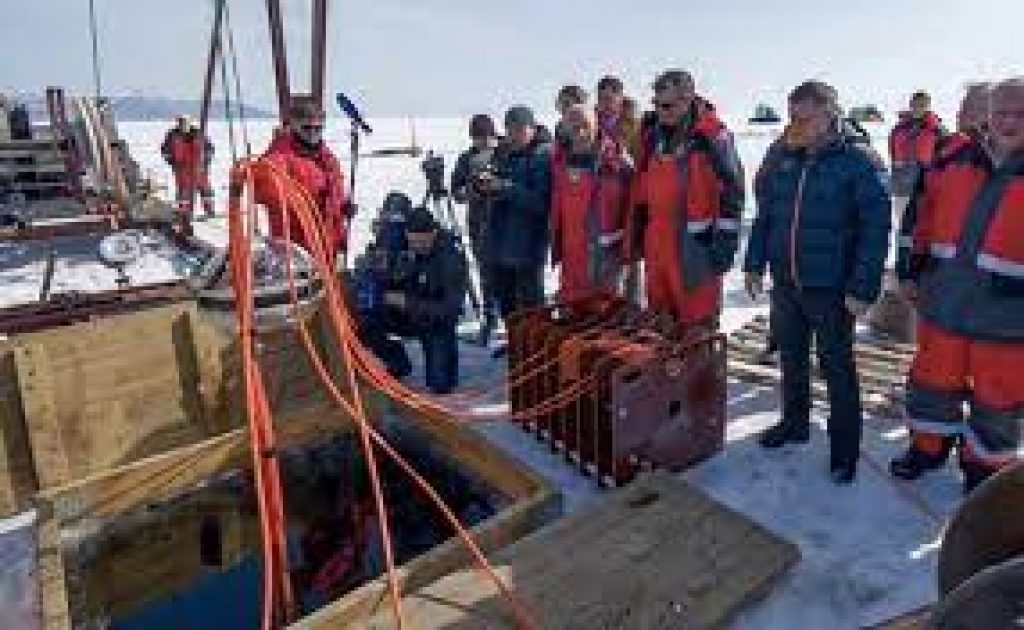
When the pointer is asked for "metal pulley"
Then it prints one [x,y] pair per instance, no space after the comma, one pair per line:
[119,250]
[272,290]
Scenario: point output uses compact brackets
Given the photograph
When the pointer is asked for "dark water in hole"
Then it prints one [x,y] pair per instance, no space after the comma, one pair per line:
[333,538]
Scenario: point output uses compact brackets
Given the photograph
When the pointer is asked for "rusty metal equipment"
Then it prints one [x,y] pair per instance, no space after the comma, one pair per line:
[987,529]
[318,55]
[65,309]
[993,598]
[616,389]
[981,563]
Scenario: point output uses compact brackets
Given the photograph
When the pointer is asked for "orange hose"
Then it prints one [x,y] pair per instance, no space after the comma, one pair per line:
[358,360]
[270,525]
[317,244]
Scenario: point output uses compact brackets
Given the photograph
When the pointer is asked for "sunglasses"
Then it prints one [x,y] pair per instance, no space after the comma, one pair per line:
[665,106]
[312,127]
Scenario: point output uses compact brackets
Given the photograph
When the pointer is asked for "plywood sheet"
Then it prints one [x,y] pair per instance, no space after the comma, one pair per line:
[106,393]
[658,554]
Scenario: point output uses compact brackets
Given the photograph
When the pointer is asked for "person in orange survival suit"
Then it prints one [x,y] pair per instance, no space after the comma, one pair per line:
[301,152]
[189,155]
[964,265]
[589,196]
[913,142]
[687,204]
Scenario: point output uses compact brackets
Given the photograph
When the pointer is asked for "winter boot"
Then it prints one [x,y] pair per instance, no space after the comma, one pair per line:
[785,433]
[974,475]
[843,471]
[914,463]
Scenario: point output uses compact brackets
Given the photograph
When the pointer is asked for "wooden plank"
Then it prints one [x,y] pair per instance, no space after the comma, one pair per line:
[880,348]
[874,401]
[869,378]
[869,359]
[880,371]
[17,474]
[46,436]
[52,586]
[97,396]
[109,493]
[656,554]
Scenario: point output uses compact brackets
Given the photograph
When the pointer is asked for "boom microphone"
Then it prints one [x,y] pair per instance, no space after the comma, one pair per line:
[353,113]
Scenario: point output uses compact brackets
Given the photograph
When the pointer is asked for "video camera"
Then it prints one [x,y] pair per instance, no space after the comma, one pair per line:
[433,169]
[387,264]
[378,272]
[481,175]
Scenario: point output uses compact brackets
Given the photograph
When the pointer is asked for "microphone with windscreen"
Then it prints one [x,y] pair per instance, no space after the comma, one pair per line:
[352,112]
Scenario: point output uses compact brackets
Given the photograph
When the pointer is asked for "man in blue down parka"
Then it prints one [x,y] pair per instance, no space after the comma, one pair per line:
[520,211]
[822,227]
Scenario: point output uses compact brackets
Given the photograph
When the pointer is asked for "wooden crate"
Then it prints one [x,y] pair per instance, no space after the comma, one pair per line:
[658,554]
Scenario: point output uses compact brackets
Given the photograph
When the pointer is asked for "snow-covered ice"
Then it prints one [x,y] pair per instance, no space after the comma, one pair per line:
[867,551]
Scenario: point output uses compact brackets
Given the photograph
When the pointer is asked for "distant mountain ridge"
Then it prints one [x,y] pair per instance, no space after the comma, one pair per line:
[136,107]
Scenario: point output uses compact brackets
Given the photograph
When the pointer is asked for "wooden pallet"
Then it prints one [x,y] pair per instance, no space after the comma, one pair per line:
[882,367]
[657,554]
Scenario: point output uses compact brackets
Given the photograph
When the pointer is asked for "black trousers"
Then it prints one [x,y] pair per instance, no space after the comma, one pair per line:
[439,341]
[797,317]
[516,288]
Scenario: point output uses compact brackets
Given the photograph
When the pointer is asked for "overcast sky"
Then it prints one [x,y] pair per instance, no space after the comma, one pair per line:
[457,56]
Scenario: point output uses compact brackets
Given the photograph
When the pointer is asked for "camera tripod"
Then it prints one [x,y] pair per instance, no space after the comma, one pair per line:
[438,200]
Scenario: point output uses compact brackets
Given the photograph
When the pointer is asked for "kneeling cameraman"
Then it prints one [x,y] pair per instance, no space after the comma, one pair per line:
[421,300]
